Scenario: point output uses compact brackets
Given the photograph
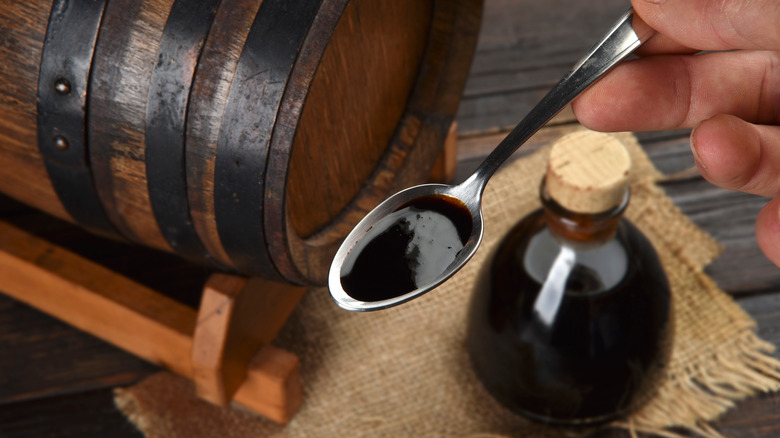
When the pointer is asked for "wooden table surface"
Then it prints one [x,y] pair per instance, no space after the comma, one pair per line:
[56,381]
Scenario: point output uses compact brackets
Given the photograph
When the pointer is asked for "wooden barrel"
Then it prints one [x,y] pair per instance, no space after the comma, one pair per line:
[248,134]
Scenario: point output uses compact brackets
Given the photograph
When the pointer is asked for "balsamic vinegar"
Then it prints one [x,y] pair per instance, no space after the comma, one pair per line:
[406,250]
[570,320]
[605,352]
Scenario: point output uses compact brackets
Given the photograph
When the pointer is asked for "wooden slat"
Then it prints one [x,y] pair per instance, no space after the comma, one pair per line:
[96,300]
[42,357]
[155,327]
[89,414]
[524,48]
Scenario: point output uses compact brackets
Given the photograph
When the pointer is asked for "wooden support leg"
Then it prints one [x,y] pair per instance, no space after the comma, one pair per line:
[161,330]
[237,316]
[273,385]
[443,170]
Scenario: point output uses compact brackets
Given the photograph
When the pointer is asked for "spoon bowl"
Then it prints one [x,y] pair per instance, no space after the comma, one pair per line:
[471,209]
[396,218]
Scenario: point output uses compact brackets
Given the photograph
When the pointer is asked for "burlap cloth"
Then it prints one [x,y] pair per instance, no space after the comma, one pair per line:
[405,371]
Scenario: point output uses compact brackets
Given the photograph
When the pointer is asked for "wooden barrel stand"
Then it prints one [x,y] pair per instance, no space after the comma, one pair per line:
[224,347]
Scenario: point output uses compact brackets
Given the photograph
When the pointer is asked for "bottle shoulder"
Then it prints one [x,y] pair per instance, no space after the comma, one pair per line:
[531,249]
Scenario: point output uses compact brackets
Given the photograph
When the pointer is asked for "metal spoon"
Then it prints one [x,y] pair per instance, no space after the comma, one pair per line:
[622,39]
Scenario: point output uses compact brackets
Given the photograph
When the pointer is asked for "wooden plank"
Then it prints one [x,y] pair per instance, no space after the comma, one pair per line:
[523,49]
[89,414]
[756,418]
[729,217]
[42,357]
[472,150]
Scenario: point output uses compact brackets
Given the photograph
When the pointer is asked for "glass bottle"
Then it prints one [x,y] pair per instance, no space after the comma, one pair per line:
[570,318]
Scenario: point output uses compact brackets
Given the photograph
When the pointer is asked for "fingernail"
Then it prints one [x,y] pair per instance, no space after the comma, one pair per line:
[693,150]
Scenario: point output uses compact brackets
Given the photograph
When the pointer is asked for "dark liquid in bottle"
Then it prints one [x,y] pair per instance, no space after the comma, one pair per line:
[407,249]
[602,354]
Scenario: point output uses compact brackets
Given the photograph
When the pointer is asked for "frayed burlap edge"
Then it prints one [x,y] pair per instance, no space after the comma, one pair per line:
[699,392]
[126,402]
[744,369]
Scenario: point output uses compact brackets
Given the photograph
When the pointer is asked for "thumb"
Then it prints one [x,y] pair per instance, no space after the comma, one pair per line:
[768,230]
[715,25]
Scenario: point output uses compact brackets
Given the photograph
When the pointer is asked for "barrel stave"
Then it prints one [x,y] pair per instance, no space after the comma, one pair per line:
[125,56]
[283,150]
[23,174]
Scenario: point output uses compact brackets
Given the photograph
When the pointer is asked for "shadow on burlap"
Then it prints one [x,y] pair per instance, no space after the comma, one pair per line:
[405,371]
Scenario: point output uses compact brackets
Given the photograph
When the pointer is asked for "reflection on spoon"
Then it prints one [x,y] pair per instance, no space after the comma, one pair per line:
[406,249]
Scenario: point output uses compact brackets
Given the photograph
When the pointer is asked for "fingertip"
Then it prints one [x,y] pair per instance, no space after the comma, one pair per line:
[726,150]
[619,101]
[678,23]
[589,110]
[650,11]
[768,230]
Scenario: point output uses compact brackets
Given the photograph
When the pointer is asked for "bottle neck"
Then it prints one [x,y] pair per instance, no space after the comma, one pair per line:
[579,230]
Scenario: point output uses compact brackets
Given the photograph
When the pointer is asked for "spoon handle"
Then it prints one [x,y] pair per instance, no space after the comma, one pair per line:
[615,45]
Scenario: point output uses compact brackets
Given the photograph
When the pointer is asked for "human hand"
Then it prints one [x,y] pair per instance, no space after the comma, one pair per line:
[731,97]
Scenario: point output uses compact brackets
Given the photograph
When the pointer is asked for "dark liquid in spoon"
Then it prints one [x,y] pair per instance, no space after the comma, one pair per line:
[408,249]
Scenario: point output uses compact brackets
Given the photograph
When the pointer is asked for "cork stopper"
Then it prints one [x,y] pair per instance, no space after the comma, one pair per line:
[588,172]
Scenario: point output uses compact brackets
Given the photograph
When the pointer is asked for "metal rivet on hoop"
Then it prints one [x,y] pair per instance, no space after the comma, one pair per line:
[62,86]
[61,143]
